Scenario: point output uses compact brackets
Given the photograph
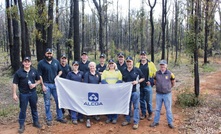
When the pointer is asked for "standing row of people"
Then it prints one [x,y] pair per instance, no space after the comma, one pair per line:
[143,73]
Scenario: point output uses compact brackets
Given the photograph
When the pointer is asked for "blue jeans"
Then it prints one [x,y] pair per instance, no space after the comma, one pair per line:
[146,100]
[51,89]
[75,115]
[135,98]
[112,116]
[32,98]
[167,100]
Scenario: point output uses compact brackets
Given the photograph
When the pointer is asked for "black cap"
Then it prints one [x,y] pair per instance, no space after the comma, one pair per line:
[120,54]
[143,53]
[48,50]
[163,62]
[102,56]
[27,58]
[129,58]
[75,62]
[111,61]
[84,53]
[63,56]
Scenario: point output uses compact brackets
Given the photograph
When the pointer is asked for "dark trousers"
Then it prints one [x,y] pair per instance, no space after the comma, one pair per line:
[32,98]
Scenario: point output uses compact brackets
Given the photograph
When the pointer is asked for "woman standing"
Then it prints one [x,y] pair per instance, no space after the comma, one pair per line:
[92,76]
[75,75]
[111,76]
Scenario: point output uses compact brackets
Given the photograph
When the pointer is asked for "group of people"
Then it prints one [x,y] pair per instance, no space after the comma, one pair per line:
[143,73]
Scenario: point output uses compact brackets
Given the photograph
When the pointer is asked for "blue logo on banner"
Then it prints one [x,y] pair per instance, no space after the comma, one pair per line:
[93,97]
[93,100]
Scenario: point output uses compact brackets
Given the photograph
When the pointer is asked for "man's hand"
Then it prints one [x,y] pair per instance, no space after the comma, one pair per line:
[31,86]
[148,83]
[15,97]
[135,82]
[44,88]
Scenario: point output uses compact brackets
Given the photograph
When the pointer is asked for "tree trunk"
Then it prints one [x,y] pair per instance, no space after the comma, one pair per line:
[23,38]
[142,28]
[196,68]
[163,25]
[50,21]
[176,30]
[152,29]
[57,23]
[83,27]
[27,42]
[206,32]
[129,25]
[39,39]
[76,31]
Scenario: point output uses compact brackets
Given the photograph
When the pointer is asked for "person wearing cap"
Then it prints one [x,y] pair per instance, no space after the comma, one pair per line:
[94,77]
[134,75]
[111,76]
[83,64]
[164,81]
[65,68]
[75,75]
[25,80]
[121,65]
[101,66]
[48,69]
[148,69]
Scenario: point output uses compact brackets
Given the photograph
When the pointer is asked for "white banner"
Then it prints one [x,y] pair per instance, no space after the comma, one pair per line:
[94,99]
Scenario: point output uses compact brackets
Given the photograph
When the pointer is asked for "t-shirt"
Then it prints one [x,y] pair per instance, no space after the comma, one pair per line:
[65,70]
[90,78]
[121,67]
[100,68]
[111,77]
[84,66]
[75,76]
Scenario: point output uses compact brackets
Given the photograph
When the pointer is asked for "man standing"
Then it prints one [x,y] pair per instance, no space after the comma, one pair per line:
[25,80]
[121,65]
[101,66]
[164,81]
[148,69]
[131,74]
[48,69]
[65,68]
[83,65]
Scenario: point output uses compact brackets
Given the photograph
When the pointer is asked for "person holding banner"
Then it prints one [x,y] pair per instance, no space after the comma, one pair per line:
[94,77]
[49,69]
[134,75]
[75,75]
[111,76]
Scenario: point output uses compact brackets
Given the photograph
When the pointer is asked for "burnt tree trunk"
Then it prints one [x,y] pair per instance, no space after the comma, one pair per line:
[163,25]
[76,31]
[50,21]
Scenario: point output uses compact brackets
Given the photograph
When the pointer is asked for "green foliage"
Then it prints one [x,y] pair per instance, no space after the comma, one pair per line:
[208,68]
[186,98]
[4,112]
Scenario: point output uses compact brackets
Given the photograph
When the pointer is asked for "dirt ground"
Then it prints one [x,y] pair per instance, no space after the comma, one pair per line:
[184,120]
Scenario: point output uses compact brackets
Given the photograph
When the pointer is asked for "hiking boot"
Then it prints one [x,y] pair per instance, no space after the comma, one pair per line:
[88,123]
[149,117]
[142,117]
[114,121]
[171,126]
[125,123]
[135,126]
[62,121]
[49,123]
[81,120]
[21,129]
[154,124]
[75,122]
[37,125]
[97,117]
[108,121]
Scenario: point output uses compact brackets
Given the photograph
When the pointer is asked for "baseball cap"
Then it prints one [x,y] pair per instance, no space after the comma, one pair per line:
[163,62]
[129,58]
[143,53]
[27,58]
[111,61]
[120,54]
[102,56]
[84,53]
[48,50]
[63,56]
[75,63]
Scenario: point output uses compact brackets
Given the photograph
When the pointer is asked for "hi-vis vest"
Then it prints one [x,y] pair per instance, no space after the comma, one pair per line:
[151,66]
